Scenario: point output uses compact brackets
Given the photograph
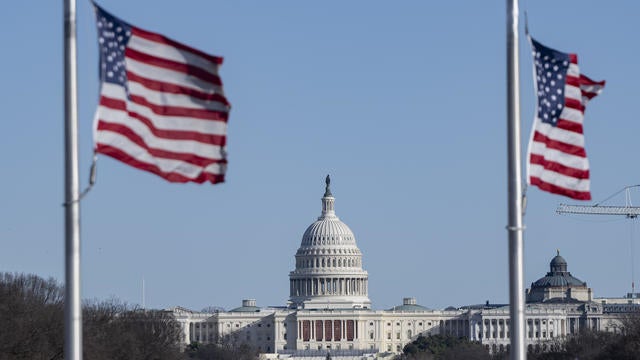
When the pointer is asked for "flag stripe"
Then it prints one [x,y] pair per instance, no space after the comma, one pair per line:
[165,40]
[125,157]
[558,145]
[560,190]
[559,180]
[171,77]
[559,168]
[168,52]
[170,100]
[172,65]
[168,88]
[206,127]
[159,152]
[547,132]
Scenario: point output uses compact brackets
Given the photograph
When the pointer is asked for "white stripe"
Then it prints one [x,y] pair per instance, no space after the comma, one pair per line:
[573,70]
[166,165]
[171,53]
[160,121]
[572,115]
[176,100]
[593,89]
[562,135]
[558,179]
[568,160]
[171,77]
[572,92]
[177,146]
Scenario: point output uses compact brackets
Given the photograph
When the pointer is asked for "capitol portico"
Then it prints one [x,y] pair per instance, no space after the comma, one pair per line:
[329,310]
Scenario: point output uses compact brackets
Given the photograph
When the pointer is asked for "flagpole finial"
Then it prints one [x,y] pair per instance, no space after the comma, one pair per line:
[327,191]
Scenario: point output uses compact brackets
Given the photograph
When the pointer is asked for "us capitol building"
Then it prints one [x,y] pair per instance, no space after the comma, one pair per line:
[329,310]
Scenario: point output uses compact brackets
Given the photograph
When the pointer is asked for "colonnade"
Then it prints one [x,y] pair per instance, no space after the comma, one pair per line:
[327,330]
[328,286]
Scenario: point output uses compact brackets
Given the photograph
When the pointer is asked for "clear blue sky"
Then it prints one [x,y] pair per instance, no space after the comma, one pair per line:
[403,104]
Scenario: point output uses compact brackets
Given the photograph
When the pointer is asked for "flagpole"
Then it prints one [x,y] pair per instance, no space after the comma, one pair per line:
[72,306]
[514,179]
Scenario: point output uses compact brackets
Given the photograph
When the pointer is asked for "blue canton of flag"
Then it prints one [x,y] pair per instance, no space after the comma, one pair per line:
[551,70]
[113,36]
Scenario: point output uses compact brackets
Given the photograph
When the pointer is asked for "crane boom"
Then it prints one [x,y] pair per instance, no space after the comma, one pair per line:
[628,211]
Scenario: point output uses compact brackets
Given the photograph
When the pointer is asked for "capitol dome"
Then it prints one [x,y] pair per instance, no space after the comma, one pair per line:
[328,270]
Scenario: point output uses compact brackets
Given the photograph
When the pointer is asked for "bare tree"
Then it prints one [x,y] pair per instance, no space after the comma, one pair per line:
[31,314]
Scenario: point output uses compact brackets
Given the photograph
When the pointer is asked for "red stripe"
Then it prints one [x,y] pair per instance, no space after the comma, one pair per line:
[165,40]
[569,126]
[176,89]
[573,58]
[574,194]
[573,81]
[558,168]
[169,176]
[212,139]
[180,111]
[574,104]
[585,80]
[159,153]
[173,65]
[560,146]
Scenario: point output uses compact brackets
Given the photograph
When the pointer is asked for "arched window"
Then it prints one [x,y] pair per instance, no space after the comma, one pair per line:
[323,263]
[334,262]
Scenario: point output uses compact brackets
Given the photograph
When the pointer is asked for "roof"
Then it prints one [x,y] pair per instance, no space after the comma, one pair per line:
[246,309]
[558,279]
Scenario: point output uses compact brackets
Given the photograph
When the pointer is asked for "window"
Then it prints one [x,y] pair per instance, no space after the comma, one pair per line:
[371,335]
[398,335]
[388,336]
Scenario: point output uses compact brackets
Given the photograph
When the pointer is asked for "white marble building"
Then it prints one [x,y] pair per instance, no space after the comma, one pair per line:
[329,308]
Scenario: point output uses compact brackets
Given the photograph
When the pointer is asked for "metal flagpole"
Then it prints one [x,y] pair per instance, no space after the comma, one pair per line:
[72,306]
[515,227]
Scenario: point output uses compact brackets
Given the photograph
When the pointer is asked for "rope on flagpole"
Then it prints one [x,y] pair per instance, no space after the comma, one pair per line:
[92,181]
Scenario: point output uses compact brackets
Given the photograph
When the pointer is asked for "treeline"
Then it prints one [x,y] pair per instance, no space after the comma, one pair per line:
[32,327]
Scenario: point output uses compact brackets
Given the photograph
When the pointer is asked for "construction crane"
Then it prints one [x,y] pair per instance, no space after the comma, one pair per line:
[628,210]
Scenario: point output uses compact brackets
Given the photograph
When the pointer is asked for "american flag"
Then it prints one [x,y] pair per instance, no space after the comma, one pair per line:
[557,161]
[162,108]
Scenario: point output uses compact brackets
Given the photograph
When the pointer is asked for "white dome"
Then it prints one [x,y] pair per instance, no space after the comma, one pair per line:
[328,232]
[328,269]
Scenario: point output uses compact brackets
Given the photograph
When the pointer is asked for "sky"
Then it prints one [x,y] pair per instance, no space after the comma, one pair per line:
[403,103]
